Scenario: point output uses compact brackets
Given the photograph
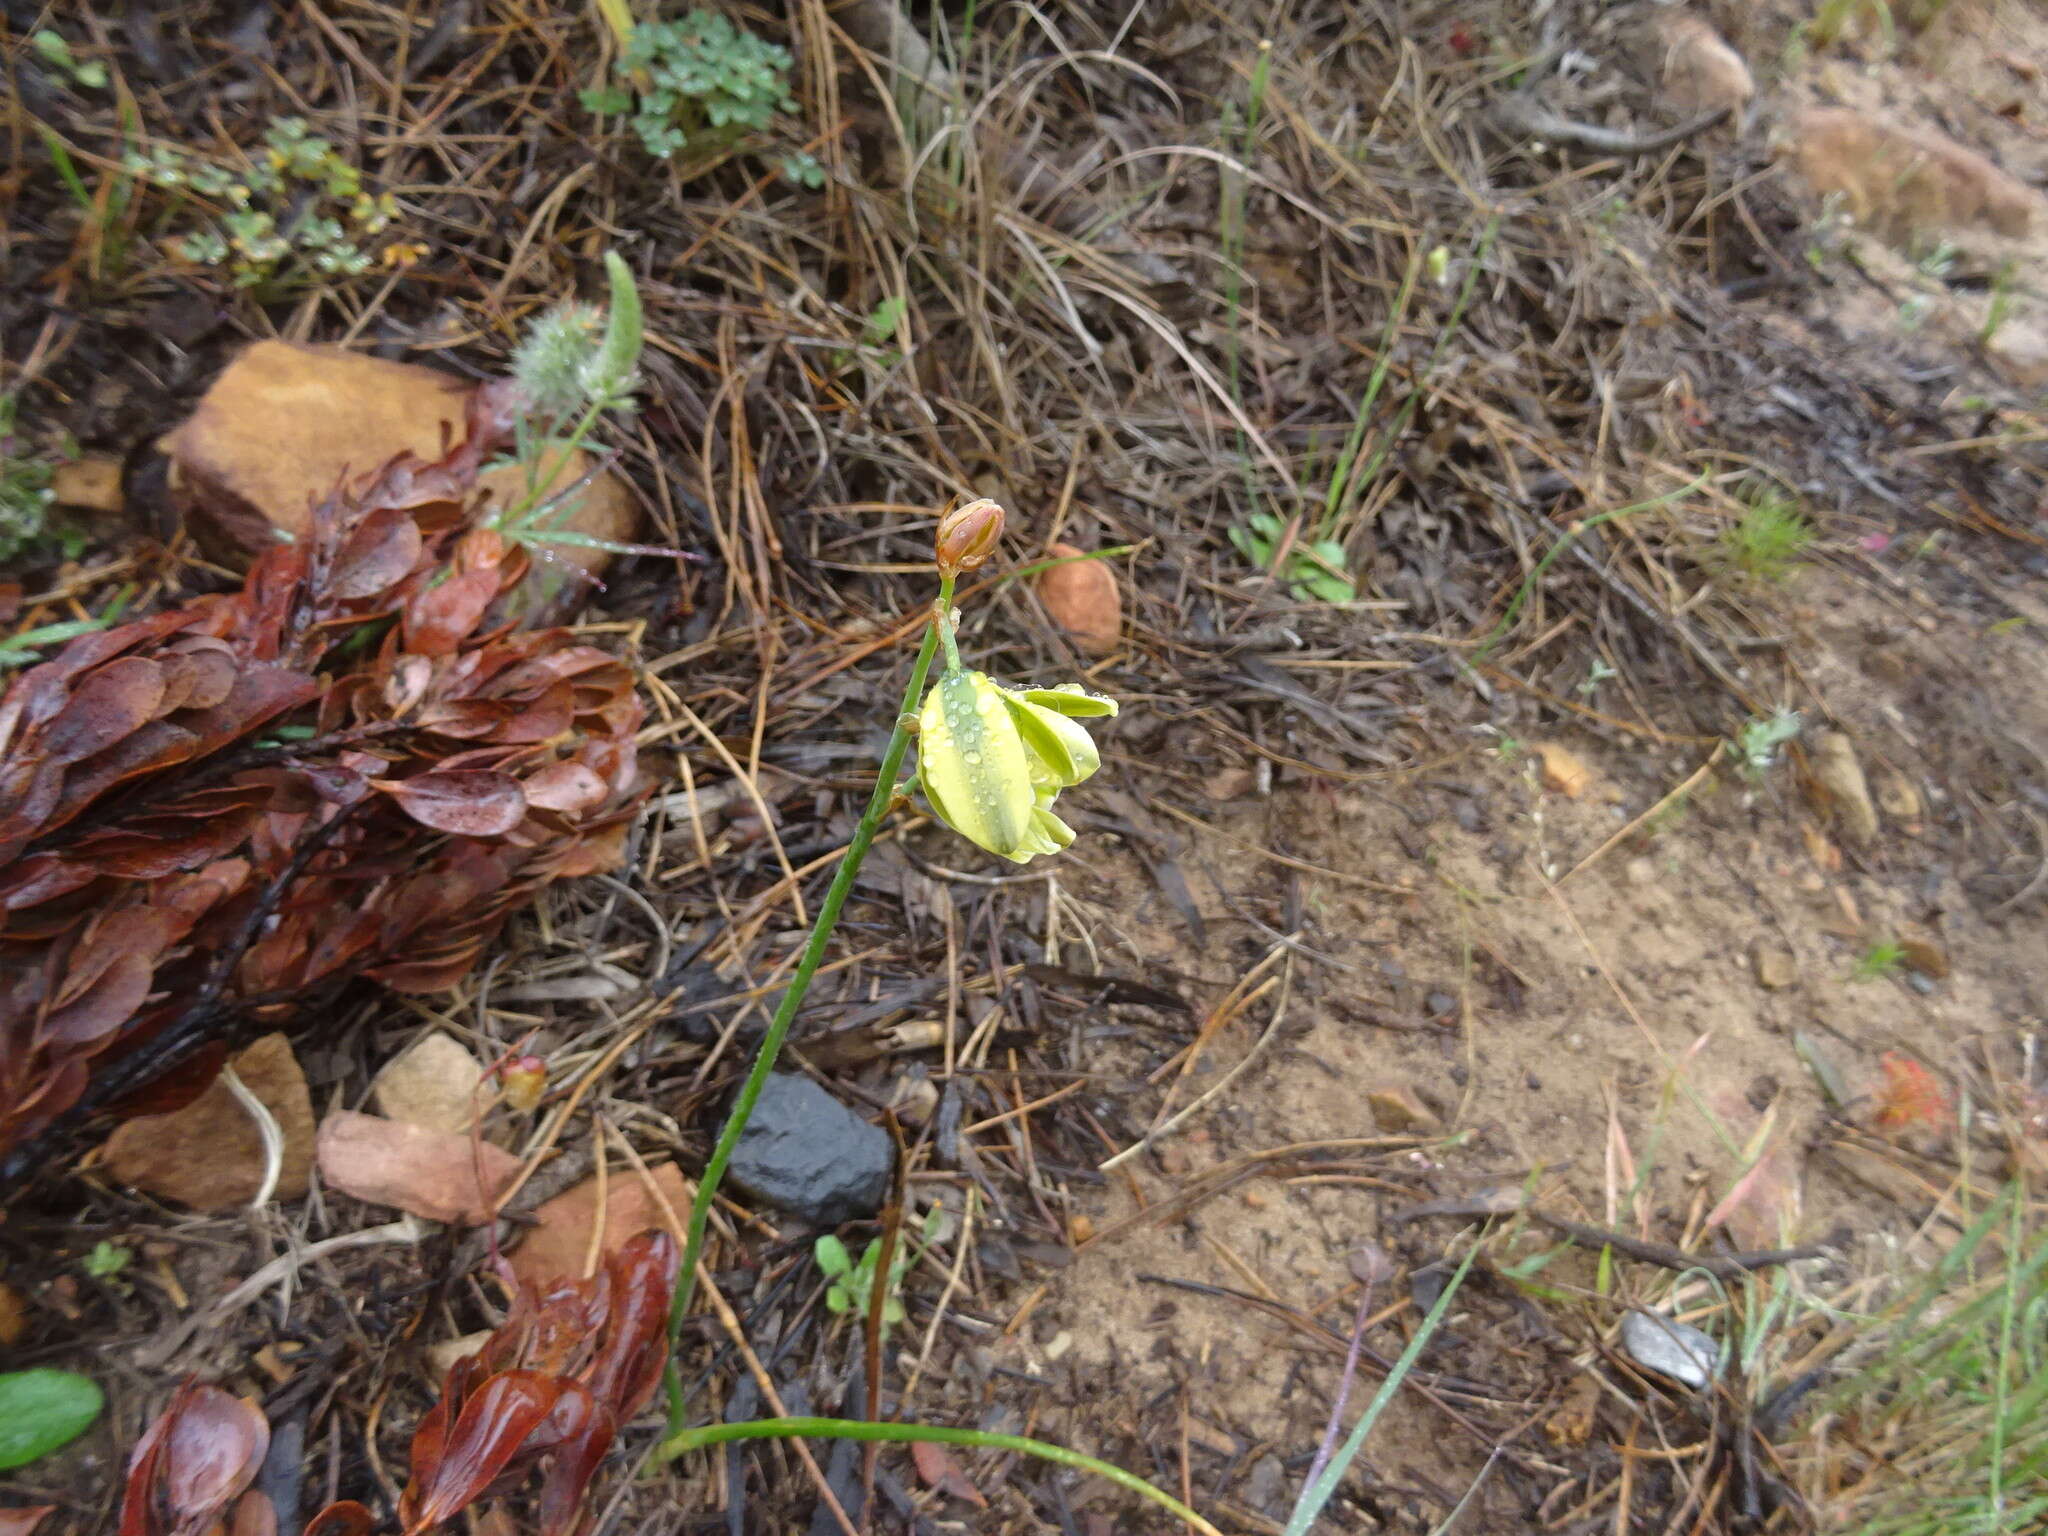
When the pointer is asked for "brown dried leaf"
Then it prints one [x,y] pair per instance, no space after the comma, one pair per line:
[472,802]
[936,1465]
[379,554]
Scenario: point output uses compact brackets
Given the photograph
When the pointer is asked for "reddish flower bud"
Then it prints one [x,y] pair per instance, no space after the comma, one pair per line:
[967,536]
[525,1080]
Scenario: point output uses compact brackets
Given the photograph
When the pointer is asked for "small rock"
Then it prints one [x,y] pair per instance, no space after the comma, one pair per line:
[1398,1112]
[1837,772]
[1641,870]
[1230,784]
[431,1174]
[1571,1425]
[1897,797]
[1923,953]
[209,1155]
[1776,969]
[2018,346]
[1084,599]
[89,484]
[432,1083]
[1670,1348]
[1263,1486]
[1562,770]
[2028,1158]
[559,1241]
[1701,72]
[810,1155]
[1904,183]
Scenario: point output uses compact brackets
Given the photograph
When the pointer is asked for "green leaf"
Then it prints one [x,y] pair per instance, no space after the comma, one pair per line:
[52,49]
[831,1256]
[607,101]
[624,329]
[41,1410]
[836,1299]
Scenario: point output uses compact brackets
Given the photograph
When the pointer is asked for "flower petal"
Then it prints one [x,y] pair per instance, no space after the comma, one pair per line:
[1062,752]
[1071,699]
[972,763]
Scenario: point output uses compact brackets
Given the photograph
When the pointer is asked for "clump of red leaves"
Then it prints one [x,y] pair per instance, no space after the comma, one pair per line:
[548,1391]
[194,1465]
[1910,1099]
[346,768]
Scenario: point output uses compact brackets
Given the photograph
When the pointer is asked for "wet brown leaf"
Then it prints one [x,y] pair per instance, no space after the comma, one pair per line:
[468,802]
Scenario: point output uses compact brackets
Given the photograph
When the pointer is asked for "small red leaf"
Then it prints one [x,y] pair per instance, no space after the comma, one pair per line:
[23,1522]
[469,802]
[493,1427]
[437,619]
[104,1006]
[380,553]
[119,698]
[347,1518]
[935,1464]
[570,788]
[203,1451]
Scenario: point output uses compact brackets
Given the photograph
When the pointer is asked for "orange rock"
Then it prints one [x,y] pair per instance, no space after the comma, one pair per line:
[1562,770]
[1701,72]
[90,484]
[559,1243]
[284,423]
[1084,599]
[1903,182]
[433,1174]
[209,1155]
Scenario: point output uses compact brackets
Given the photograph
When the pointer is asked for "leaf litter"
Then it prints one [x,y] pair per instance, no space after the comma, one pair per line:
[1389,894]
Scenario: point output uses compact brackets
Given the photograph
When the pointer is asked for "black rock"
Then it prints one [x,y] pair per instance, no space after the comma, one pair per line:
[806,1153]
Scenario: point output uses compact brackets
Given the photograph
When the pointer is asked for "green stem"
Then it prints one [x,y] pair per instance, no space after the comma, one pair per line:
[793,997]
[541,473]
[860,1429]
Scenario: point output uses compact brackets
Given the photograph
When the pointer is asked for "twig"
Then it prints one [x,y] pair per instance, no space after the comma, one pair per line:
[1724,1266]
[1521,113]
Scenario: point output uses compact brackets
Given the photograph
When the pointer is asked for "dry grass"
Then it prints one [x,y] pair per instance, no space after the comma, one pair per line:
[1053,265]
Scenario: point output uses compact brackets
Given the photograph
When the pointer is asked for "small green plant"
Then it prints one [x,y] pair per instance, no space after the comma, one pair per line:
[1999,309]
[1768,542]
[853,1283]
[1836,16]
[24,489]
[576,363]
[877,333]
[106,1260]
[1597,673]
[50,47]
[1313,570]
[699,86]
[1756,744]
[1880,960]
[1945,1388]
[295,213]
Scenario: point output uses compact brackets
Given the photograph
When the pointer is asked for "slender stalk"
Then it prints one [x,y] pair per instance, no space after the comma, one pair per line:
[859,1429]
[1316,1492]
[799,983]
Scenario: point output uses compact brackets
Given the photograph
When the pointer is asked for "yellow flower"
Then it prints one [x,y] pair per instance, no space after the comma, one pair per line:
[992,760]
